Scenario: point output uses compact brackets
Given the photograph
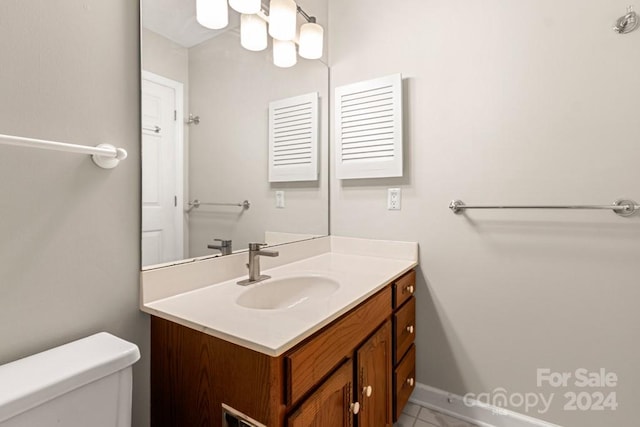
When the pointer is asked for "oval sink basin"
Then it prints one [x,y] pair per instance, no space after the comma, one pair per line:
[287,292]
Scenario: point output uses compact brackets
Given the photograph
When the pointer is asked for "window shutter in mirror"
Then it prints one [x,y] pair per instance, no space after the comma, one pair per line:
[293,139]
[368,136]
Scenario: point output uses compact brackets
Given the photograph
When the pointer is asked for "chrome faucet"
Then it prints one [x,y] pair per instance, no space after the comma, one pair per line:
[225,246]
[254,263]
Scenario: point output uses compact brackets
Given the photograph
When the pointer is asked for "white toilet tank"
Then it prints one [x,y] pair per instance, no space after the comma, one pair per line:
[86,383]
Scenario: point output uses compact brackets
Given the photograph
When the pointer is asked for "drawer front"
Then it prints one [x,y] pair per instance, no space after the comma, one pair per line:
[403,288]
[404,380]
[314,359]
[404,329]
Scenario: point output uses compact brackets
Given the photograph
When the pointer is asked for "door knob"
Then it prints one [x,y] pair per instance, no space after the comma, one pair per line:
[354,408]
[410,329]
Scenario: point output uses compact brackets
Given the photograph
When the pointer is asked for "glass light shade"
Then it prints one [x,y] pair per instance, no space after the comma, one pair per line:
[253,32]
[284,53]
[282,19]
[213,14]
[246,6]
[311,41]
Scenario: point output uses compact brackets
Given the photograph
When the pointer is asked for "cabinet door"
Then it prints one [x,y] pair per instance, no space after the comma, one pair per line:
[330,405]
[374,379]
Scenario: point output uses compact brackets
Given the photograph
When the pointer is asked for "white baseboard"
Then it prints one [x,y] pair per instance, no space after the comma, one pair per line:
[479,413]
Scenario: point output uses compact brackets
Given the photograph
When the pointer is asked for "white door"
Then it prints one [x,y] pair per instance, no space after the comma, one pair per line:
[161,170]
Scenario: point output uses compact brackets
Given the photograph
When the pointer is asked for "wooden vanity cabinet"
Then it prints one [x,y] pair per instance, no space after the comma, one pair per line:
[346,374]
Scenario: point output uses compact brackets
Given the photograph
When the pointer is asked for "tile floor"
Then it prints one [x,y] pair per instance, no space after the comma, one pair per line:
[417,416]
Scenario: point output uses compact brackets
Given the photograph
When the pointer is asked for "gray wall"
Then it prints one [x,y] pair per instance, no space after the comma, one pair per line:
[70,235]
[508,102]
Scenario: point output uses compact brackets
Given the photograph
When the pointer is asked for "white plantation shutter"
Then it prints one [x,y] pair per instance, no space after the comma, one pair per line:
[368,136]
[293,139]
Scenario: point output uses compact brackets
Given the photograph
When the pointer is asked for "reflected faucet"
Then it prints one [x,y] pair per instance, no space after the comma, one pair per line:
[254,263]
[225,246]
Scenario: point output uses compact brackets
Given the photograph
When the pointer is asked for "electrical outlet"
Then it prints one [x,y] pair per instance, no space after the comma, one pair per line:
[280,199]
[394,197]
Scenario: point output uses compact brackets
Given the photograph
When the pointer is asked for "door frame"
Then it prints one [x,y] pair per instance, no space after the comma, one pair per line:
[179,218]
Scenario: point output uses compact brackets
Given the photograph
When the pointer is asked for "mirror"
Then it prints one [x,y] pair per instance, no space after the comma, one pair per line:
[205,137]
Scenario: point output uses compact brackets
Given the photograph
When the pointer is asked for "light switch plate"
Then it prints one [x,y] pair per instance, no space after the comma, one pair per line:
[280,199]
[394,197]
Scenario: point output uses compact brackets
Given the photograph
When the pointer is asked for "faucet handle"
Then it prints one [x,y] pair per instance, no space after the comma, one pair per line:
[223,242]
[256,246]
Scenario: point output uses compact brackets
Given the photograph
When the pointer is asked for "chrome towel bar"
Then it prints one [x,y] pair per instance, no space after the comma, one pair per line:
[104,155]
[245,204]
[622,207]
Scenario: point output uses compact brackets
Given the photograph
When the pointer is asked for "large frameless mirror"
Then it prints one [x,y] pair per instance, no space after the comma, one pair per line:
[206,131]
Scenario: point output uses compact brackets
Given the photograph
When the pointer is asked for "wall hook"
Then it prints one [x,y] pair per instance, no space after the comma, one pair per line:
[627,23]
[193,120]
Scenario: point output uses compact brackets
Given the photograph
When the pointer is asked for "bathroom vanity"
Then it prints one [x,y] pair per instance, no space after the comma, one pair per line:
[326,359]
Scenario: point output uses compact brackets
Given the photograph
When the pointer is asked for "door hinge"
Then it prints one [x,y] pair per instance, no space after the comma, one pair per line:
[175,115]
[175,201]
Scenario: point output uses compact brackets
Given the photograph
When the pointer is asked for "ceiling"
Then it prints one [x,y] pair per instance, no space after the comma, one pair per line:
[176,20]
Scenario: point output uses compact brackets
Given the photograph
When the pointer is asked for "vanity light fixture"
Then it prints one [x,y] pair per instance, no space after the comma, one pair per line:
[282,19]
[284,53]
[246,6]
[311,40]
[253,32]
[256,25]
[212,14]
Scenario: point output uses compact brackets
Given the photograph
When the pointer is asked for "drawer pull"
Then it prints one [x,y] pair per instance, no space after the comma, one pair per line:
[354,408]
[410,381]
[410,289]
[410,329]
[367,391]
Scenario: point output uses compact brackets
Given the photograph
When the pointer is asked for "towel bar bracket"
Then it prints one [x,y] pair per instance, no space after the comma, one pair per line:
[109,162]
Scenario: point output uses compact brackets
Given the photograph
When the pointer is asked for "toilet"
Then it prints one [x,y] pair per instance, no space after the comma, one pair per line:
[84,383]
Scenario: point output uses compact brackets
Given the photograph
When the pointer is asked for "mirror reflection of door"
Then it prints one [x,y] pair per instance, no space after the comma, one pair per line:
[162,231]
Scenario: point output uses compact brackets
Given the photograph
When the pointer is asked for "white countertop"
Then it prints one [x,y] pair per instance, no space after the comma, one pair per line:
[213,309]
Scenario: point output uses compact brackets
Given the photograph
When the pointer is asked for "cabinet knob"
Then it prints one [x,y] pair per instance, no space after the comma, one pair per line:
[367,391]
[410,289]
[354,408]
[410,329]
[410,381]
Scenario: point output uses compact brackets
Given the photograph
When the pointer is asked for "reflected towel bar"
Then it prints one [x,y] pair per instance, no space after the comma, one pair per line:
[197,203]
[622,207]
[104,155]
[155,129]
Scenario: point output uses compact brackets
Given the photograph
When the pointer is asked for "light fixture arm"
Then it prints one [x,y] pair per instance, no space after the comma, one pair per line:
[305,15]
[312,19]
